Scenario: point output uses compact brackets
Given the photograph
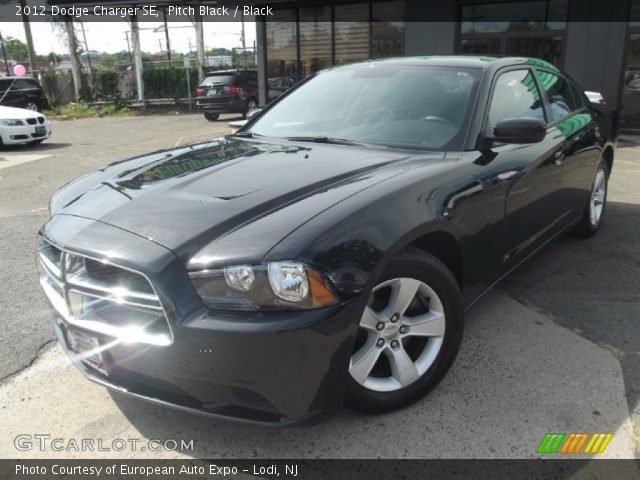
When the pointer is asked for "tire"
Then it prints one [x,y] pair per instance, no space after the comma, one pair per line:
[32,106]
[252,104]
[388,387]
[594,211]
[212,117]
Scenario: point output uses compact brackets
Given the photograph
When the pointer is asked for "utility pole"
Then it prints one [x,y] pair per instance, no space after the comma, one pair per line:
[86,51]
[73,53]
[28,37]
[199,42]
[4,54]
[126,34]
[137,53]
[166,34]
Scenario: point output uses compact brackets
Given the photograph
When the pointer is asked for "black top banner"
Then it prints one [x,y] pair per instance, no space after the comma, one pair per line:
[535,13]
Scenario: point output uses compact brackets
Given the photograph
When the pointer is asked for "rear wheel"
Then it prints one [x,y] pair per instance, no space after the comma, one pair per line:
[212,117]
[408,336]
[594,211]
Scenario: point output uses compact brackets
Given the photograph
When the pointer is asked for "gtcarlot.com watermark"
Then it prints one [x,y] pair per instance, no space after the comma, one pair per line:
[45,442]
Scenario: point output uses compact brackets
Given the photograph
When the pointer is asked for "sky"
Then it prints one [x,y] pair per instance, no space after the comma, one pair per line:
[110,36]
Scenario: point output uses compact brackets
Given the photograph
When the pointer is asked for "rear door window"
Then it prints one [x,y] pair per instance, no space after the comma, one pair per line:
[558,90]
[218,79]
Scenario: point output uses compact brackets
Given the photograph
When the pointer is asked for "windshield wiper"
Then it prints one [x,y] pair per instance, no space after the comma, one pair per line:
[331,140]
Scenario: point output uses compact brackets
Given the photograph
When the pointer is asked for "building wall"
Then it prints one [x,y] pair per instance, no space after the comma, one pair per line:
[593,53]
[430,38]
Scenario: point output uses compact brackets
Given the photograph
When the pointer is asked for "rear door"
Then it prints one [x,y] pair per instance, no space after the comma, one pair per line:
[532,210]
[571,120]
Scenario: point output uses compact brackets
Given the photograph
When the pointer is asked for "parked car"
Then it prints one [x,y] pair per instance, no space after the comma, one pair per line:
[228,91]
[327,250]
[20,125]
[22,92]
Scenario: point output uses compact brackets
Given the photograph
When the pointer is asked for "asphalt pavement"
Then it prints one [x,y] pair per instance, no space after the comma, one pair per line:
[553,348]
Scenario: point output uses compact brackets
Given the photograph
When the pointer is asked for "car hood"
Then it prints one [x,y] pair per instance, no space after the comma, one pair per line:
[16,113]
[185,198]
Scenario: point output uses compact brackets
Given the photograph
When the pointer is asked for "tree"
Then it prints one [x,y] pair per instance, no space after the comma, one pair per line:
[72,43]
[16,50]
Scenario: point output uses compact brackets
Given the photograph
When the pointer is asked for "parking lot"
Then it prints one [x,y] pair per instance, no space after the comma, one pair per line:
[554,348]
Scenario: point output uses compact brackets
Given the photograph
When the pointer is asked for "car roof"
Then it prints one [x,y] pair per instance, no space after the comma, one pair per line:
[466,61]
[229,72]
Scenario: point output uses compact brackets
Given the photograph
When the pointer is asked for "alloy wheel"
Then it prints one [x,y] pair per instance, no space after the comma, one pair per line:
[598,196]
[401,333]
[32,106]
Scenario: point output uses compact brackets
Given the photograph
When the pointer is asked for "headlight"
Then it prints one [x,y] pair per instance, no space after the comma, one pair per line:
[8,122]
[276,285]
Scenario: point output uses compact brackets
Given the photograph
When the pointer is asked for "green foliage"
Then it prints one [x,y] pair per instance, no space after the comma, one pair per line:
[107,85]
[169,82]
[16,50]
[84,110]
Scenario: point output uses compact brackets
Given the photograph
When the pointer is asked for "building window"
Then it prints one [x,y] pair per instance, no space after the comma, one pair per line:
[387,29]
[282,64]
[302,41]
[315,39]
[534,29]
[630,114]
[351,32]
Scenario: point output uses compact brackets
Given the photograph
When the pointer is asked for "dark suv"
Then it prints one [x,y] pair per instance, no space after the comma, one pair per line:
[227,91]
[22,92]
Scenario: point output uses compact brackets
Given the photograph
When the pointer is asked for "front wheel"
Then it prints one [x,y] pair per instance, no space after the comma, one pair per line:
[408,336]
[593,213]
[212,117]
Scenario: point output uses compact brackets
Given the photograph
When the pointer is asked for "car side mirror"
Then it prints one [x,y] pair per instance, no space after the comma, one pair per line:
[253,113]
[519,130]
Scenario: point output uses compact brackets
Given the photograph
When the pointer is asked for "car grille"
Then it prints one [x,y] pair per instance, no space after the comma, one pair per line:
[40,120]
[102,297]
[31,121]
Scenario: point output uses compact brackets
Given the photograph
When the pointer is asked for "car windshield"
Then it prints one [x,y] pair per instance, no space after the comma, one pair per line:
[421,107]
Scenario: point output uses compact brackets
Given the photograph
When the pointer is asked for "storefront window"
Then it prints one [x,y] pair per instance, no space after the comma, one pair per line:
[351,30]
[481,46]
[630,115]
[281,53]
[387,29]
[546,48]
[315,39]
[302,41]
[514,17]
[530,29]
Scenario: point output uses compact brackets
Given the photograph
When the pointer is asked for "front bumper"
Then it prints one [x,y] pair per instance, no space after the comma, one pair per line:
[23,134]
[275,368]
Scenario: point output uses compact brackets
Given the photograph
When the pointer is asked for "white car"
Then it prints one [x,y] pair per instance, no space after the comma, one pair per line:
[19,125]
[595,97]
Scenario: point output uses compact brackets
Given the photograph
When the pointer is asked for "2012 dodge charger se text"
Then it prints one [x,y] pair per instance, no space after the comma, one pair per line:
[326,252]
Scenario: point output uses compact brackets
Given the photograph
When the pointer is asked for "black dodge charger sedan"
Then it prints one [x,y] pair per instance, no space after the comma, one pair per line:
[327,251]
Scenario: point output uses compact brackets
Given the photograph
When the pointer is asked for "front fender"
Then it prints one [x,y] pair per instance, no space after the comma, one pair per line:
[353,242]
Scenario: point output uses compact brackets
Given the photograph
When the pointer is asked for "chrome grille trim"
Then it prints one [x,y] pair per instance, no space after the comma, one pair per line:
[59,286]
